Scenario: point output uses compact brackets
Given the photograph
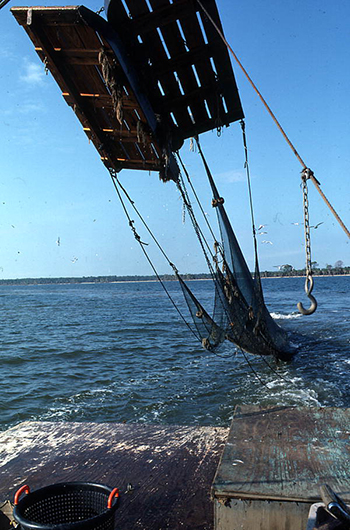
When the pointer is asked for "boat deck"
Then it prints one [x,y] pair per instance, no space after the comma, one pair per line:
[264,472]
[170,468]
[275,461]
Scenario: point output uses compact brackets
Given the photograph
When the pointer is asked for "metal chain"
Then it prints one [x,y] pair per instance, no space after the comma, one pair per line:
[309,282]
[304,177]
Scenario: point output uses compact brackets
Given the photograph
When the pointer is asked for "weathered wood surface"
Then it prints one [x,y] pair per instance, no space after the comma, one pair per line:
[174,80]
[285,453]
[61,38]
[172,49]
[170,468]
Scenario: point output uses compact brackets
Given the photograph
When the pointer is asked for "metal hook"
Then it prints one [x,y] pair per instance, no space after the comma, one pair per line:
[309,285]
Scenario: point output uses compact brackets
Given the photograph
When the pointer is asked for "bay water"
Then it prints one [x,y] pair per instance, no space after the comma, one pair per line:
[119,352]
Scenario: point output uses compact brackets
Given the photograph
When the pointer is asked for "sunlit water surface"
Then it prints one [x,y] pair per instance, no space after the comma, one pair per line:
[120,352]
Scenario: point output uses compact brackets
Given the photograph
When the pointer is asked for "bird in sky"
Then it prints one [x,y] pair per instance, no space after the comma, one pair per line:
[316,226]
[260,227]
[58,241]
[267,242]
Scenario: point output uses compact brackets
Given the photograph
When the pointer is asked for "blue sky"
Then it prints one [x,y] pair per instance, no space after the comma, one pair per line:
[53,185]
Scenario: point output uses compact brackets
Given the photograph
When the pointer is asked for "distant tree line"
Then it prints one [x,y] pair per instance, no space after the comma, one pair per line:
[329,270]
[284,270]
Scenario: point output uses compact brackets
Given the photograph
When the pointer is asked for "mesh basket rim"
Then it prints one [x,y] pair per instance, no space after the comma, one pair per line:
[60,488]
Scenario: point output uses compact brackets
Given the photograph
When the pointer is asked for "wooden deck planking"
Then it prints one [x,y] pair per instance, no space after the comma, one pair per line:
[285,453]
[171,468]
[274,462]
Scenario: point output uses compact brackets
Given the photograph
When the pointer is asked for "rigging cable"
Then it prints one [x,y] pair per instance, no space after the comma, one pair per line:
[198,231]
[246,165]
[213,235]
[312,177]
[117,183]
[201,238]
[3,3]
[253,369]
[211,180]
[196,197]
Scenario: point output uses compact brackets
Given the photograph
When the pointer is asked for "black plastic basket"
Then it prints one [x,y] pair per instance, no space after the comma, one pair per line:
[66,506]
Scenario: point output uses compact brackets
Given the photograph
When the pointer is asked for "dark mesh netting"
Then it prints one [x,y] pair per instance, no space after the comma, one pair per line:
[211,331]
[239,313]
[251,326]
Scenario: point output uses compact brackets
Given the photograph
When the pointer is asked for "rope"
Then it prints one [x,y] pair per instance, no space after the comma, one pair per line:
[116,180]
[196,197]
[317,186]
[3,3]
[253,369]
[312,177]
[252,83]
[117,183]
[246,165]
[201,237]
[198,231]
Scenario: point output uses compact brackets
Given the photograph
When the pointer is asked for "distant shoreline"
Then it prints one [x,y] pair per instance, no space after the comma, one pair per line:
[300,276]
[92,280]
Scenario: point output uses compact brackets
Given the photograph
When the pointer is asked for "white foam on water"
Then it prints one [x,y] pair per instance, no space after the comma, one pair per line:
[295,393]
[281,316]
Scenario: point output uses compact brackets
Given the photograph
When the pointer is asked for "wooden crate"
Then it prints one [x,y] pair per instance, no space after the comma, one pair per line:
[274,462]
